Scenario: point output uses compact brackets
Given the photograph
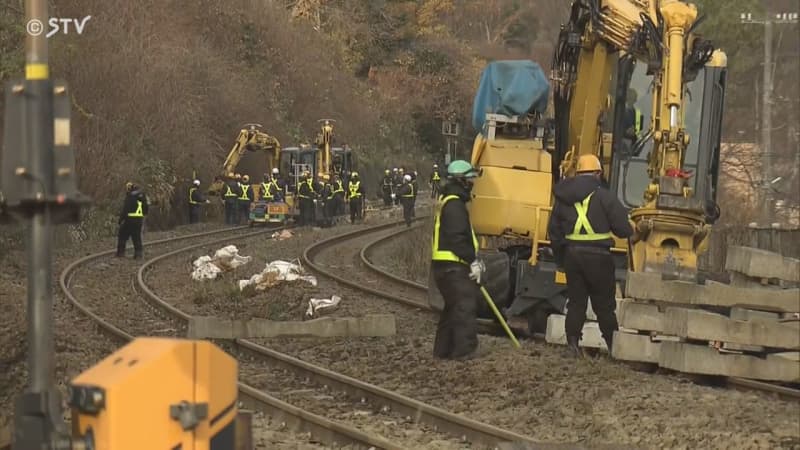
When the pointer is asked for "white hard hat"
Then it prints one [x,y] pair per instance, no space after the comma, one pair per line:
[407,177]
[275,170]
[197,182]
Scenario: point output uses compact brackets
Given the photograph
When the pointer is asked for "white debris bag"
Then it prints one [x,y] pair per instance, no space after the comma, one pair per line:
[315,304]
[275,272]
[281,235]
[225,259]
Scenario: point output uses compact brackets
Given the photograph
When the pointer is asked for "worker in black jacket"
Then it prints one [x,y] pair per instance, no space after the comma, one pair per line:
[584,217]
[387,187]
[131,218]
[407,194]
[231,192]
[196,201]
[246,198]
[307,195]
[455,267]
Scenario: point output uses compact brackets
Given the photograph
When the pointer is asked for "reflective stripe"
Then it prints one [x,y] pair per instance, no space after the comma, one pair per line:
[583,223]
[138,212]
[229,192]
[244,196]
[339,187]
[436,176]
[266,194]
[446,255]
[354,189]
[411,194]
[191,200]
[638,125]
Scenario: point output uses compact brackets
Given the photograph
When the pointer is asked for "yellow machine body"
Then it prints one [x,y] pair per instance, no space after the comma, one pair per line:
[250,139]
[158,393]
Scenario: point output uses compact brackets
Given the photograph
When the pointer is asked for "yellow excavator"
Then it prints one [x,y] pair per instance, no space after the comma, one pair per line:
[634,84]
[266,152]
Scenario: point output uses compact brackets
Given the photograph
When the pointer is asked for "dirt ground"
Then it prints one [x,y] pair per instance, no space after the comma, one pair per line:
[537,390]
[534,391]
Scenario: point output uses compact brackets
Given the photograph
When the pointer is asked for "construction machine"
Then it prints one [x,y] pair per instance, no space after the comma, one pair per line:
[664,169]
[266,151]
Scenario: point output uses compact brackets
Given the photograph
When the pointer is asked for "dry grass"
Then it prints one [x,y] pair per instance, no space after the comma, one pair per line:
[414,253]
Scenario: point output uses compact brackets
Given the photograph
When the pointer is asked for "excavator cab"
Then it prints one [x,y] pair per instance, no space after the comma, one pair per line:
[293,162]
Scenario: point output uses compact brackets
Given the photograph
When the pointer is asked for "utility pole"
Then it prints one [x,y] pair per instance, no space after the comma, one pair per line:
[38,186]
[767,201]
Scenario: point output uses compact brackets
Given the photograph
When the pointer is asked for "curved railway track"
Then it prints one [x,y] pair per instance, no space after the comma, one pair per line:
[467,431]
[731,382]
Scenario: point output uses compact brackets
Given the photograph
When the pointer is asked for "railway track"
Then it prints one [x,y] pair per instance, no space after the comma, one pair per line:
[252,395]
[784,392]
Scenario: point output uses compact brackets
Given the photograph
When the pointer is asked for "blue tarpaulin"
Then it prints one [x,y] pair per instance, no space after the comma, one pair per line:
[511,88]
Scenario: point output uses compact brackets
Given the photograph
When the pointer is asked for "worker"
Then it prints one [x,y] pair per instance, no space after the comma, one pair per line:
[337,206]
[584,216]
[355,194]
[279,184]
[196,201]
[456,268]
[387,188]
[632,121]
[326,197]
[246,198]
[232,191]
[407,199]
[414,176]
[131,218]
[307,196]
[397,181]
[435,181]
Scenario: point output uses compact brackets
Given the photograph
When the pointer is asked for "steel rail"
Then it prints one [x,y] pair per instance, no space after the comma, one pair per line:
[468,430]
[731,382]
[330,432]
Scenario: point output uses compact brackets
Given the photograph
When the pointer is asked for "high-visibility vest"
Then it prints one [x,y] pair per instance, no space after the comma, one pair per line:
[310,184]
[244,196]
[338,187]
[446,255]
[191,199]
[354,189]
[436,176]
[229,192]
[583,224]
[266,193]
[138,212]
[637,128]
[410,193]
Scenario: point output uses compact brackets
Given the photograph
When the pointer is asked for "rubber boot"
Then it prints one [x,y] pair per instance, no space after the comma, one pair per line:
[575,350]
[137,255]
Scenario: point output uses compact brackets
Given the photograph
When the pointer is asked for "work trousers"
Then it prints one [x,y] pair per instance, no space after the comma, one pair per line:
[328,210]
[590,274]
[434,189]
[397,197]
[356,210]
[387,196]
[306,211]
[131,228]
[457,331]
[231,211]
[194,213]
[338,205]
[408,209]
[244,212]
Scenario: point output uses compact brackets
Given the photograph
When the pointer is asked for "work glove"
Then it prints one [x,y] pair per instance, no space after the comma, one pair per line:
[476,270]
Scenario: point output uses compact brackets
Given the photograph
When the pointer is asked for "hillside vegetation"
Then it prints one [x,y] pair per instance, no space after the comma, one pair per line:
[160,88]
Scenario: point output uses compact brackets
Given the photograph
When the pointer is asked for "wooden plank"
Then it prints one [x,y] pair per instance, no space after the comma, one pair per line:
[700,359]
[758,263]
[704,325]
[650,286]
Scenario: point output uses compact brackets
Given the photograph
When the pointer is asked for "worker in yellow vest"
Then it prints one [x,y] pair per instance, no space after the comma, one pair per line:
[355,195]
[407,194]
[131,219]
[436,179]
[584,216]
[456,268]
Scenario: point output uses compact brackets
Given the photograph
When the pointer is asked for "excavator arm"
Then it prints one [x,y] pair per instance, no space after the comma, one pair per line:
[605,46]
[250,138]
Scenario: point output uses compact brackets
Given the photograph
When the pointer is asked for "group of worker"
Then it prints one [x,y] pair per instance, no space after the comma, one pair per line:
[584,217]
[399,187]
[329,192]
[238,194]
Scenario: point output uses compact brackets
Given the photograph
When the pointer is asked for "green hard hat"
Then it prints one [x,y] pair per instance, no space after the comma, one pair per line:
[460,168]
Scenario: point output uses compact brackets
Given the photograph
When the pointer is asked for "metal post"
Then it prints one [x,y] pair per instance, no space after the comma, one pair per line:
[766,125]
[38,415]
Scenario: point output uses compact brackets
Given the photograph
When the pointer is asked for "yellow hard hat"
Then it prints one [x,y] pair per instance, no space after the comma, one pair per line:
[246,178]
[128,186]
[355,174]
[589,163]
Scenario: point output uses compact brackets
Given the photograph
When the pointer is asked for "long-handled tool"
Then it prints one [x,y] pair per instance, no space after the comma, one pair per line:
[499,316]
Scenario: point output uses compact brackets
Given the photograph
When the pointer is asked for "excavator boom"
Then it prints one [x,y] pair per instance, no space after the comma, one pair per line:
[251,139]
